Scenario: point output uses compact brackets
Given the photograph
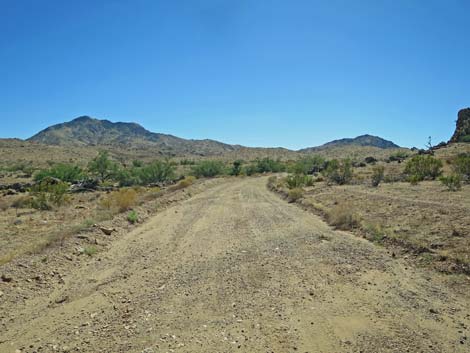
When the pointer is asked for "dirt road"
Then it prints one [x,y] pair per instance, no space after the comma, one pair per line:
[237,269]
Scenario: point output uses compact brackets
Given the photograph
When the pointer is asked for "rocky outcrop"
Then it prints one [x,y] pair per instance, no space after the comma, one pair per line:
[462,129]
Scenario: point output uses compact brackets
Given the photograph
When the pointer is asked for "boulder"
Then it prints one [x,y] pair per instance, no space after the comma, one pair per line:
[462,128]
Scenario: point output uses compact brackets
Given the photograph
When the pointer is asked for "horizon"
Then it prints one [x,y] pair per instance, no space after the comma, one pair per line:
[291,75]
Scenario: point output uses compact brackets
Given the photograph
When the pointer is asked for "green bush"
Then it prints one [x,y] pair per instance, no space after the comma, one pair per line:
[268,165]
[461,165]
[422,167]
[65,172]
[132,217]
[236,168]
[377,175]
[156,172]
[208,169]
[339,171]
[452,182]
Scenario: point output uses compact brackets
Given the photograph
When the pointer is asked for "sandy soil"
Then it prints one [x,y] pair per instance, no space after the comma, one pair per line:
[237,269]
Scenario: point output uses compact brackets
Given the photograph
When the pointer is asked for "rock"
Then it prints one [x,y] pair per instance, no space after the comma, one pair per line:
[462,128]
[433,311]
[1,294]
[82,236]
[107,231]
[6,278]
[61,299]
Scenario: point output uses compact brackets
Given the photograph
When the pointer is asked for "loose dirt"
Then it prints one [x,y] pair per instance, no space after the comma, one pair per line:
[237,269]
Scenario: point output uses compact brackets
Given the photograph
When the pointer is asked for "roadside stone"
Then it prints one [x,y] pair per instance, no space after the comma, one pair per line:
[6,278]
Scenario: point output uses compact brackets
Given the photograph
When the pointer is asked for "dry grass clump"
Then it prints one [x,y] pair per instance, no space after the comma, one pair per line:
[121,200]
[4,205]
[187,181]
[343,217]
[295,194]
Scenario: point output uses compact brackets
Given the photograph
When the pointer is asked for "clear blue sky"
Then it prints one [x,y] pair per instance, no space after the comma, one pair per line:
[256,72]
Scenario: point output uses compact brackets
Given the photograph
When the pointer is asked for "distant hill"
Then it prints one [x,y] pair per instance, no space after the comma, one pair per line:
[363,140]
[87,131]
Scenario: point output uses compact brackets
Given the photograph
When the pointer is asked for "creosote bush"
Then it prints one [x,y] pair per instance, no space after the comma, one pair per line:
[421,167]
[339,171]
[461,166]
[48,193]
[208,169]
[453,182]
[66,172]
[377,175]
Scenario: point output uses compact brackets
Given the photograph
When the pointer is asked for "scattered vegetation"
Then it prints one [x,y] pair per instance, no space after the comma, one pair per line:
[339,171]
[65,172]
[208,169]
[461,166]
[48,193]
[309,165]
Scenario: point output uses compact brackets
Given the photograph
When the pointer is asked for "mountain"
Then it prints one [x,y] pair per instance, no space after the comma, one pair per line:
[87,131]
[462,128]
[363,140]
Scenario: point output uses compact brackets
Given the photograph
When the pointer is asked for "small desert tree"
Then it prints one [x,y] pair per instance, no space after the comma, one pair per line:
[102,166]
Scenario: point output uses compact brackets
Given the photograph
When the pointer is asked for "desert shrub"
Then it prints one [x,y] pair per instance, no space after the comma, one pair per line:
[121,200]
[132,217]
[268,165]
[461,165]
[339,172]
[294,181]
[377,175]
[48,192]
[294,194]
[187,162]
[208,169]
[250,169]
[156,172]
[102,166]
[309,165]
[343,217]
[23,167]
[66,172]
[422,167]
[452,182]
[90,250]
[140,174]
[236,168]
